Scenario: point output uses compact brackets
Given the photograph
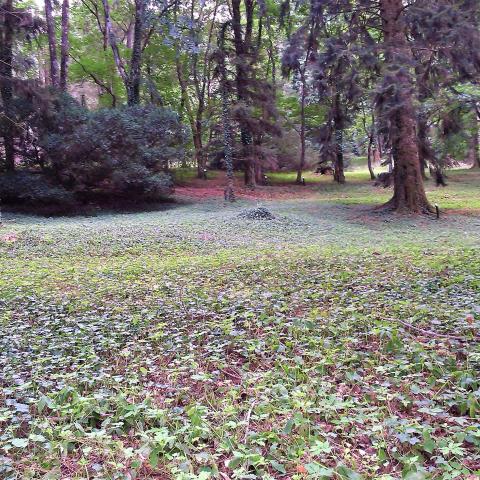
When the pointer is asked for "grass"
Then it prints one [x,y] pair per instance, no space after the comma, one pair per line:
[185,175]
[462,193]
[194,344]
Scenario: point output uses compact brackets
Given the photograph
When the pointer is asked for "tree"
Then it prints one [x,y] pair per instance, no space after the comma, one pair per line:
[369,130]
[383,36]
[14,23]
[409,193]
[52,44]
[130,70]
[296,58]
[476,136]
[58,74]
[7,18]
[119,63]
[242,42]
[255,110]
[64,52]
[226,119]
[333,65]
[193,38]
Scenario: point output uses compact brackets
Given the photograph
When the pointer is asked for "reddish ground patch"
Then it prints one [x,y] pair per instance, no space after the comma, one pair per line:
[213,188]
[9,238]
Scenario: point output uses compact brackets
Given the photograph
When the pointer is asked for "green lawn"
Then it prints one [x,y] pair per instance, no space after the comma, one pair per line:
[187,174]
[190,343]
[462,192]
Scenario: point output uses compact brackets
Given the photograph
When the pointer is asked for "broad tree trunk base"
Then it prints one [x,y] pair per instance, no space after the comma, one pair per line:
[228,194]
[249,176]
[339,178]
[421,206]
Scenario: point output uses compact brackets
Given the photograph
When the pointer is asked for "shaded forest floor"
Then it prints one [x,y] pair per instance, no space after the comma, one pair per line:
[460,196]
[192,343]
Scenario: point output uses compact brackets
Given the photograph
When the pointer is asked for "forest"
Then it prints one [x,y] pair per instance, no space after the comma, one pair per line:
[102,101]
[239,239]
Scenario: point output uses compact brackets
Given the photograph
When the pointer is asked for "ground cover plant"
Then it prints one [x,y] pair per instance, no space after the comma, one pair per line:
[196,342]
[239,239]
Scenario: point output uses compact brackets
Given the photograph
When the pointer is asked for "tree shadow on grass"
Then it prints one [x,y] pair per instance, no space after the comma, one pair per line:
[94,209]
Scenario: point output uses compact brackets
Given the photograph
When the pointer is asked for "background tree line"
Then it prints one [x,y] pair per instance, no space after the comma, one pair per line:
[254,85]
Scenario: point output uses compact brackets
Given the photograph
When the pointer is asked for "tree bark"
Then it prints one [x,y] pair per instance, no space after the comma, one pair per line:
[339,168]
[52,43]
[303,97]
[227,131]
[200,78]
[370,153]
[6,86]
[425,151]
[301,165]
[423,144]
[195,123]
[198,145]
[371,149]
[259,174]
[133,88]
[64,46]
[242,46]
[409,193]
[476,138]
[112,40]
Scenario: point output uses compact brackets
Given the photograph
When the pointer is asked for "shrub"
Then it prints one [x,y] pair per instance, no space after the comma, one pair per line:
[109,154]
[116,153]
[33,189]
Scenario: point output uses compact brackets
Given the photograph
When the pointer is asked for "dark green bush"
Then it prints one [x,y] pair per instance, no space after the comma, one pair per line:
[33,189]
[118,156]
[116,153]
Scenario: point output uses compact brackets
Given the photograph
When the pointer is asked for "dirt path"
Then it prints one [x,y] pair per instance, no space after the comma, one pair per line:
[213,188]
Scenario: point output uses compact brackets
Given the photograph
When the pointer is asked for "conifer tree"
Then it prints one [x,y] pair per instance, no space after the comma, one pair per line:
[386,36]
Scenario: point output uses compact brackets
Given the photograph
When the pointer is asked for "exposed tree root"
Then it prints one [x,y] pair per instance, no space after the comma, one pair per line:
[393,205]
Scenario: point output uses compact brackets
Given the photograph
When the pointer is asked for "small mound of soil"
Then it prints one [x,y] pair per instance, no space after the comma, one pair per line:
[260,213]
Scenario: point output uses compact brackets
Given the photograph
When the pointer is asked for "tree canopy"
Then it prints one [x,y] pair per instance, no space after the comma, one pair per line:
[304,85]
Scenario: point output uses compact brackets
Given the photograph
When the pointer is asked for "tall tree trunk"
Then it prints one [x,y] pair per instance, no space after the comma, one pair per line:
[200,153]
[112,40]
[371,149]
[409,193]
[338,125]
[65,46]
[52,43]
[6,86]
[242,46]
[227,123]
[476,138]
[301,165]
[423,144]
[198,145]
[339,170]
[249,168]
[136,59]
[195,123]
[259,174]
[370,153]
[425,150]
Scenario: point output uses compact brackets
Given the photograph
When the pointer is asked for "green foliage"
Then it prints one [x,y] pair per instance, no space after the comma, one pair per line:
[115,152]
[33,189]
[283,358]
[119,153]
